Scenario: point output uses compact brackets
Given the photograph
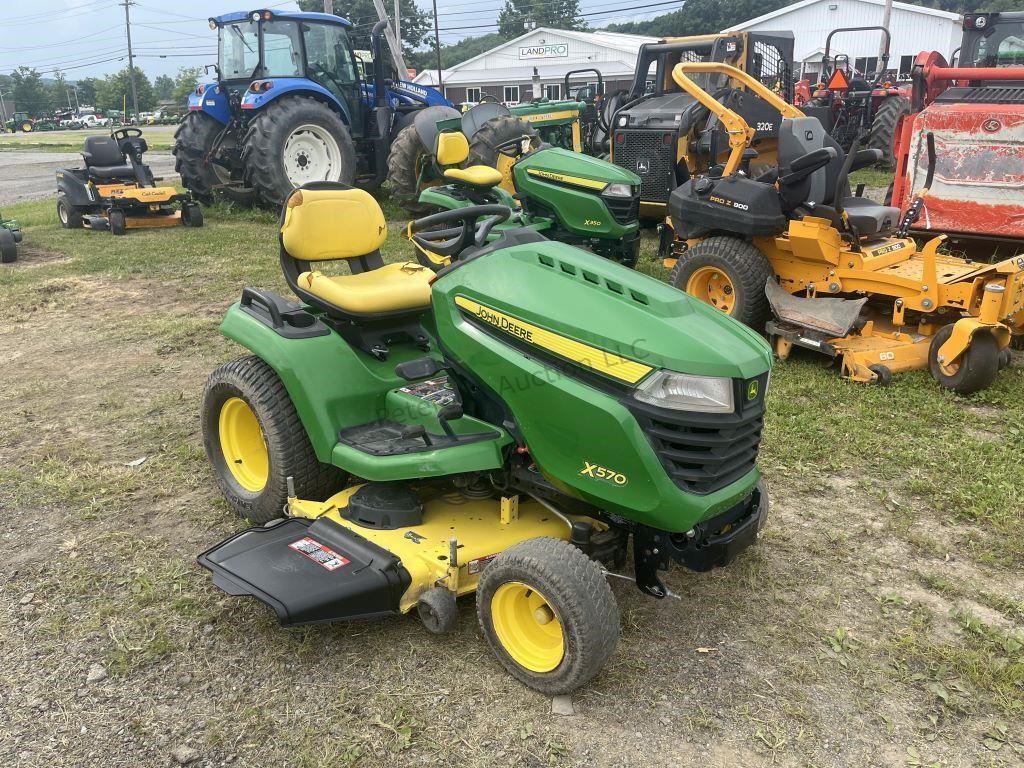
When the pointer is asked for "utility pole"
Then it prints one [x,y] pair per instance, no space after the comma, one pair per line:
[329,7]
[131,58]
[398,27]
[437,49]
[886,16]
[393,42]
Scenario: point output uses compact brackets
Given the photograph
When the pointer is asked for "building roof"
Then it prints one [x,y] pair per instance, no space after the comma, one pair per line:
[454,76]
[804,3]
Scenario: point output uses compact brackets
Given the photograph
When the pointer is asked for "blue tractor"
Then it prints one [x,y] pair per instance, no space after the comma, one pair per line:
[292,104]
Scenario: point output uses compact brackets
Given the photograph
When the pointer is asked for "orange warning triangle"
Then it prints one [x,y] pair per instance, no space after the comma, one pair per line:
[838,81]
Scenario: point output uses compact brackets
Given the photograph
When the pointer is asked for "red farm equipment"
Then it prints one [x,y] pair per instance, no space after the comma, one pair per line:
[976,113]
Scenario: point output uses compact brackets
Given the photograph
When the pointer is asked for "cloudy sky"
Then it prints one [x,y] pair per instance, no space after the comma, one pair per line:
[87,37]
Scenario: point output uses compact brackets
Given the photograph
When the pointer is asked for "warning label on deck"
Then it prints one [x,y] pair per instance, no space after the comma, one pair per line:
[319,553]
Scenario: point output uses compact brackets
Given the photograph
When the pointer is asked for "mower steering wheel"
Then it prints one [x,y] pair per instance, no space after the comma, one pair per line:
[123,133]
[431,234]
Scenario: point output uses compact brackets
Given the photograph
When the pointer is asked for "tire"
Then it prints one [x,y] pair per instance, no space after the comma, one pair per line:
[404,161]
[883,373]
[267,142]
[553,577]
[26,127]
[883,128]
[287,449]
[978,365]
[1005,358]
[8,247]
[69,216]
[193,139]
[118,223]
[438,611]
[743,271]
[483,145]
[191,215]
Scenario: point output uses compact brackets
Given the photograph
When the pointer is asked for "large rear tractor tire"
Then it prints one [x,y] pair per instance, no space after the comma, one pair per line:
[548,614]
[499,131]
[406,159]
[295,140]
[883,128]
[193,140]
[255,442]
[974,371]
[730,275]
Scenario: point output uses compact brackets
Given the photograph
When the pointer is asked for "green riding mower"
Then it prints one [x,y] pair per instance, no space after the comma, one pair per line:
[508,434]
[10,236]
[569,197]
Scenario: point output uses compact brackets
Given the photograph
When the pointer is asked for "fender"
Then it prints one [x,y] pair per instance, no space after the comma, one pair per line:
[293,86]
[426,124]
[78,192]
[211,99]
[410,93]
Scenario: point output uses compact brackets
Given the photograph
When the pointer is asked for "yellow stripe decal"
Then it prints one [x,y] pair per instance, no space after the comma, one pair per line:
[583,354]
[574,180]
[542,116]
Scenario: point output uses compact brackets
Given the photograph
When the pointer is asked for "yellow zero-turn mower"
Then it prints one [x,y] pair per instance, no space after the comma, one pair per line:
[792,253]
[117,191]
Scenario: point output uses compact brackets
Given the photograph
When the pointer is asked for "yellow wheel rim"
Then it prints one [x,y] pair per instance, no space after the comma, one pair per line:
[241,441]
[527,626]
[712,286]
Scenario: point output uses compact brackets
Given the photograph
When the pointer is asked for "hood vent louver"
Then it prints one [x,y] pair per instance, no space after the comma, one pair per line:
[591,278]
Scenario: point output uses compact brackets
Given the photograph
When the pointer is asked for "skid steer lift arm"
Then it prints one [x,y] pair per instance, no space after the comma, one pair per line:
[740,134]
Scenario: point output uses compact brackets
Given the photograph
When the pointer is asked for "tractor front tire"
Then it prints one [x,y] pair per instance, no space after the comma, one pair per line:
[975,370]
[193,140]
[548,614]
[496,132]
[405,161]
[118,223]
[295,140]
[8,247]
[191,215]
[883,128]
[255,442]
[69,216]
[730,275]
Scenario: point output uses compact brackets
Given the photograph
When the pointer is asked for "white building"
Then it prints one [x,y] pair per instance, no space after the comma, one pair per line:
[506,72]
[913,27]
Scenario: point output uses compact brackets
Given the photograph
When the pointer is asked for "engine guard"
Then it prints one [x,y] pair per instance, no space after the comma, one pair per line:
[718,541]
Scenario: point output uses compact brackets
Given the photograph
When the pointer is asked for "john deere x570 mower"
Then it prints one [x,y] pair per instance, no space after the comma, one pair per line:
[513,420]
[117,191]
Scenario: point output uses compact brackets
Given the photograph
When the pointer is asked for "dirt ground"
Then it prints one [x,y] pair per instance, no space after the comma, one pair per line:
[877,623]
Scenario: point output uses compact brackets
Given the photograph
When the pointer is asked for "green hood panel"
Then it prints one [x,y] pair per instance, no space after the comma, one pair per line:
[562,161]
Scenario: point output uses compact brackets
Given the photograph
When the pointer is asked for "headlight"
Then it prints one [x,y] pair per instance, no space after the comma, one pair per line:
[685,392]
[619,190]
[623,121]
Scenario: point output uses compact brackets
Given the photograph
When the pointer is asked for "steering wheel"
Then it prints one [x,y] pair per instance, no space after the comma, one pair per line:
[121,134]
[449,233]
[488,97]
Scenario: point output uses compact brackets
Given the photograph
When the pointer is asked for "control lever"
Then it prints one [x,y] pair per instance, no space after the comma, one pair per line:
[446,414]
[414,431]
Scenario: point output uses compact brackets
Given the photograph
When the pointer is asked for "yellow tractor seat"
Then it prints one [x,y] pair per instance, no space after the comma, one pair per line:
[479,176]
[330,222]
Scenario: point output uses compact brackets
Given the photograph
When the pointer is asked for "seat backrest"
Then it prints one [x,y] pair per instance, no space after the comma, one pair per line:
[102,150]
[797,137]
[452,148]
[330,224]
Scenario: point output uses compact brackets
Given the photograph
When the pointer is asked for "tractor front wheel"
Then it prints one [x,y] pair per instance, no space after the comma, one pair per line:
[405,163]
[729,274]
[8,247]
[548,614]
[118,222]
[255,442]
[193,141]
[976,368]
[883,128]
[293,141]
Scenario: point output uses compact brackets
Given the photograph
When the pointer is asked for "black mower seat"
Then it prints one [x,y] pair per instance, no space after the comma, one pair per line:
[104,159]
[332,224]
[869,218]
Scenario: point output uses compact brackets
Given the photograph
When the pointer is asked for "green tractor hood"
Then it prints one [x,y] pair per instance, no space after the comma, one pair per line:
[571,169]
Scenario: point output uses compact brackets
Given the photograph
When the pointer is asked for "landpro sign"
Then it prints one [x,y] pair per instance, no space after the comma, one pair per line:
[556,51]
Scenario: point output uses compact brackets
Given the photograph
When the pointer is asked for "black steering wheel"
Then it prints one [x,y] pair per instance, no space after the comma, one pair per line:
[121,134]
[449,233]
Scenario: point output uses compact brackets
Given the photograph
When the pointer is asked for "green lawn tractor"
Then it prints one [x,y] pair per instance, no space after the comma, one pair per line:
[401,437]
[569,197]
[10,236]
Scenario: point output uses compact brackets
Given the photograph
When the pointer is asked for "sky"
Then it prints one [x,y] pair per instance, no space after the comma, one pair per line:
[86,38]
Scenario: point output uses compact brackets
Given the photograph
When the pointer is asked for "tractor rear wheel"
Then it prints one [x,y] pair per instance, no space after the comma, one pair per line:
[975,370]
[69,216]
[193,140]
[8,247]
[405,161]
[255,442]
[883,128]
[496,133]
[548,614]
[729,274]
[296,140]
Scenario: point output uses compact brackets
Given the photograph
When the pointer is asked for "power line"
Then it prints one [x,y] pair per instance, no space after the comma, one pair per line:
[45,14]
[61,42]
[582,15]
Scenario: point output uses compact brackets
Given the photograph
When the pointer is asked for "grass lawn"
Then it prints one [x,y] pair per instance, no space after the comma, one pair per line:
[159,138]
[880,620]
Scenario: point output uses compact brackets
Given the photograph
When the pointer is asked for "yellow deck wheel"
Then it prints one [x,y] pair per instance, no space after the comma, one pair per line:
[241,441]
[713,286]
[527,626]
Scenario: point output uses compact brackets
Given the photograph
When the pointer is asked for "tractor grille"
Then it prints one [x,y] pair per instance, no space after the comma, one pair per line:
[987,94]
[624,210]
[705,452]
[649,156]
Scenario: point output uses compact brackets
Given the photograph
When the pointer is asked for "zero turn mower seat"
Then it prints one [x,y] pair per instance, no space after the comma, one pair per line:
[326,223]
[453,149]
[104,159]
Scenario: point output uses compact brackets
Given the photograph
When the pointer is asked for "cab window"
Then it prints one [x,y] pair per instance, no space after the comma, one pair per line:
[327,53]
[282,49]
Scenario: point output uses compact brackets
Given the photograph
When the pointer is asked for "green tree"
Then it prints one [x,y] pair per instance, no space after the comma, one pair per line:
[417,26]
[455,53]
[184,84]
[29,92]
[114,91]
[57,92]
[518,16]
[163,87]
[87,91]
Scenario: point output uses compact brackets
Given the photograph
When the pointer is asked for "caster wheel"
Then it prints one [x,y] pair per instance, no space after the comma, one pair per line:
[438,611]
[1004,358]
[882,373]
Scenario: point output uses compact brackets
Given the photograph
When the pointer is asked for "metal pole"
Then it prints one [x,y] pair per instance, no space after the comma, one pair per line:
[393,42]
[329,7]
[398,27]
[886,15]
[131,58]
[3,113]
[437,50]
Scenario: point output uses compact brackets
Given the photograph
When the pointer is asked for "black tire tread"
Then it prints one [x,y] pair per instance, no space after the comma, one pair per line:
[74,213]
[747,266]
[496,131]
[546,562]
[8,247]
[291,453]
[405,149]
[979,365]
[883,128]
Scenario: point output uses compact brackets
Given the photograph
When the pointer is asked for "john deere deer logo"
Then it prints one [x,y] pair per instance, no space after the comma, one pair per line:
[752,389]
